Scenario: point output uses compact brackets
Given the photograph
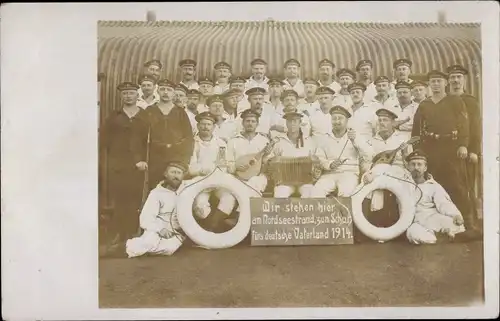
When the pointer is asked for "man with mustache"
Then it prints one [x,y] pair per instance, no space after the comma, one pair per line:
[340,152]
[442,122]
[222,75]
[258,105]
[419,90]
[364,69]
[383,99]
[192,104]
[326,75]
[149,95]
[363,119]
[456,78]
[181,101]
[435,212]
[405,109]
[206,89]
[162,234]
[188,70]
[402,71]
[238,83]
[343,98]
[310,103]
[320,118]
[224,128]
[152,68]
[231,97]
[124,137]
[171,134]
[292,80]
[275,90]
[209,152]
[258,78]
[289,100]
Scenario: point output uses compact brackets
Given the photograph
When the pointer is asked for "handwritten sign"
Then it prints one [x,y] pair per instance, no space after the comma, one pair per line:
[312,221]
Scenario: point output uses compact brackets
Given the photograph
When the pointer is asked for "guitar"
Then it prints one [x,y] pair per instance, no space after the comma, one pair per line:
[388,156]
[254,161]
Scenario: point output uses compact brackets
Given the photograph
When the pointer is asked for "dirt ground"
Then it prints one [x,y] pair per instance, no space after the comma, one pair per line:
[391,274]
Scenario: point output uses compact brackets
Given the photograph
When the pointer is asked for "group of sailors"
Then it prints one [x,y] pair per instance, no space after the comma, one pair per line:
[172,133]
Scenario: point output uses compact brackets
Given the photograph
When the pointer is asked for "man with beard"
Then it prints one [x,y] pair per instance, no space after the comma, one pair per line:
[258,78]
[310,103]
[152,68]
[222,72]
[456,78]
[188,70]
[326,75]
[435,213]
[181,101]
[257,105]
[162,234]
[171,134]
[292,80]
[193,102]
[405,109]
[442,122]
[206,89]
[364,69]
[320,118]
[209,151]
[293,144]
[124,137]
[419,91]
[224,128]
[289,99]
[383,99]
[149,95]
[340,152]
[343,98]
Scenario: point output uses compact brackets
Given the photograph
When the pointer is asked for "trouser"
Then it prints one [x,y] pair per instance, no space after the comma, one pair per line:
[258,183]
[284,191]
[471,180]
[345,183]
[202,206]
[424,232]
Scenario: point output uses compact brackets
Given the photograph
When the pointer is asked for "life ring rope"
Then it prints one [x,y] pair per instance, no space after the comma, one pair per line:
[362,185]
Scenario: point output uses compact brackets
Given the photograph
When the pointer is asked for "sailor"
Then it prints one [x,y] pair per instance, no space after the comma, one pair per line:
[258,78]
[275,90]
[188,70]
[327,75]
[152,68]
[192,104]
[419,90]
[405,109]
[340,152]
[402,71]
[162,234]
[363,119]
[293,144]
[231,104]
[365,74]
[292,77]
[124,137]
[224,128]
[258,105]
[222,71]
[181,100]
[238,83]
[320,118]
[206,89]
[310,103]
[342,98]
[149,91]
[289,99]
[435,213]
[383,99]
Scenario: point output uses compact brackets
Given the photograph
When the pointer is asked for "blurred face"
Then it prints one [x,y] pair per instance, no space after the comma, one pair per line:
[339,122]
[129,97]
[166,93]
[256,102]
[325,100]
[404,95]
[325,72]
[310,90]
[153,70]
[147,88]
[437,85]
[206,89]
[275,90]
[382,87]
[258,71]
[232,101]
[292,71]
[250,124]
[289,102]
[357,95]
[345,81]
[188,73]
[205,127]
[419,92]
[365,72]
[386,124]
[216,108]
[238,85]
[402,72]
[222,73]
[180,98]
[173,176]
[293,124]
[417,168]
[457,81]
[193,101]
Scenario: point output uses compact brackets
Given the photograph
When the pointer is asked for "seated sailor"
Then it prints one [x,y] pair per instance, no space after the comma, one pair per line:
[158,218]
[339,152]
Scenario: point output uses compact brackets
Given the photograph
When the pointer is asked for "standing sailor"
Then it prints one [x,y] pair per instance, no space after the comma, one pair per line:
[402,70]
[383,99]
[419,90]
[365,71]
[188,70]
[149,92]
[152,68]
[327,75]
[405,109]
[343,98]
[258,78]
[310,103]
[206,89]
[292,74]
[320,118]
[222,72]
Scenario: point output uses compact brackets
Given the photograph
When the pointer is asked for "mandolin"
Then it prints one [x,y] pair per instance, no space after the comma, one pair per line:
[254,161]
[388,156]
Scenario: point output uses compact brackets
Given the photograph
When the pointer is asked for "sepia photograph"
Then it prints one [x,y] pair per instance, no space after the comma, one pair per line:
[289,164]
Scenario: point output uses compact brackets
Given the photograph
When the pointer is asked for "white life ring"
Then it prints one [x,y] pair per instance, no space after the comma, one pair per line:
[406,205]
[208,239]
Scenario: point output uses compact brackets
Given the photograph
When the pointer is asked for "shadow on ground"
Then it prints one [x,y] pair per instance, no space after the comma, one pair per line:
[391,274]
